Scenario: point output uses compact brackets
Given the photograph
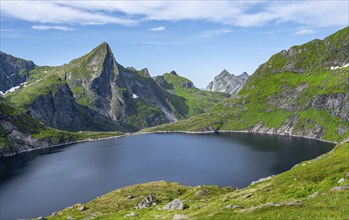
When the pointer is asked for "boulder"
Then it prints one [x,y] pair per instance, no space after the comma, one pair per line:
[174,205]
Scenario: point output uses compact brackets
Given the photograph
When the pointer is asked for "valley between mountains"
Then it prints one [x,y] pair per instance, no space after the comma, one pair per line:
[302,91]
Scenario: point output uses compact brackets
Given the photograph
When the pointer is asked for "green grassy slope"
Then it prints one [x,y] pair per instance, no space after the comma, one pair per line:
[304,192]
[188,100]
[295,88]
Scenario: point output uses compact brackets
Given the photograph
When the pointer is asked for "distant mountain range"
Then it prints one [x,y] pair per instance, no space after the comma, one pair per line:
[94,92]
[227,83]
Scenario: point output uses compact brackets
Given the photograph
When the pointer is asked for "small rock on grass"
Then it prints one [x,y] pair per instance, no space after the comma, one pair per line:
[132,214]
[314,195]
[174,205]
[248,195]
[231,206]
[338,188]
[81,208]
[179,217]
[341,180]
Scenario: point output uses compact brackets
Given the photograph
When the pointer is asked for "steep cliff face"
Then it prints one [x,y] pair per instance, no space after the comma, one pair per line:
[94,92]
[302,91]
[13,71]
[15,129]
[227,83]
[19,132]
[124,95]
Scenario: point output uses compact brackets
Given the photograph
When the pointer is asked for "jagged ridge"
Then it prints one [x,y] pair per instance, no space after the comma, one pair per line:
[94,92]
[302,91]
[228,83]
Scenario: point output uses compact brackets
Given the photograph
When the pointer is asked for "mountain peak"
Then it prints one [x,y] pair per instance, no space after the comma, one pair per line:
[243,75]
[225,72]
[227,83]
[103,47]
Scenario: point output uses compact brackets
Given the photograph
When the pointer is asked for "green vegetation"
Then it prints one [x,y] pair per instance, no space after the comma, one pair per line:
[295,87]
[188,100]
[42,80]
[14,120]
[61,137]
[304,192]
[143,115]
[102,92]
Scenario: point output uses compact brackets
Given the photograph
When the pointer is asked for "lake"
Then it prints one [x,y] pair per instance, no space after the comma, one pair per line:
[38,183]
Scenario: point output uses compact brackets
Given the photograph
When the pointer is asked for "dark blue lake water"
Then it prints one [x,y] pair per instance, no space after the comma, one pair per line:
[41,182]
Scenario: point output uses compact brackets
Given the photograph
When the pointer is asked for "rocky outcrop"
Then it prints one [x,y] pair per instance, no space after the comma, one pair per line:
[60,110]
[146,202]
[227,83]
[13,71]
[174,205]
[337,104]
[57,109]
[16,129]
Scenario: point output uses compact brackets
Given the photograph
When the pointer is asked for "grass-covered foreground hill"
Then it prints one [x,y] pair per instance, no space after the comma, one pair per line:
[19,132]
[314,189]
[94,92]
[302,91]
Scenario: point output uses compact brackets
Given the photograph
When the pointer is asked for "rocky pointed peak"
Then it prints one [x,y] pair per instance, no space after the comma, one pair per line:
[93,63]
[227,83]
[225,72]
[243,75]
[103,49]
[104,46]
[97,55]
[173,73]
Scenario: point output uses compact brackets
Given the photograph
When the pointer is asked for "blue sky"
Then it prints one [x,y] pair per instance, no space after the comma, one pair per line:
[198,39]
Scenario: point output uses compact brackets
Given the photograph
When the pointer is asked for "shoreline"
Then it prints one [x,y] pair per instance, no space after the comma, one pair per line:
[61,145]
[234,131]
[166,132]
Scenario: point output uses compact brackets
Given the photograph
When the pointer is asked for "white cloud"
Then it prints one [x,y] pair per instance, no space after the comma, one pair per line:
[215,32]
[304,32]
[47,27]
[160,28]
[54,12]
[237,13]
